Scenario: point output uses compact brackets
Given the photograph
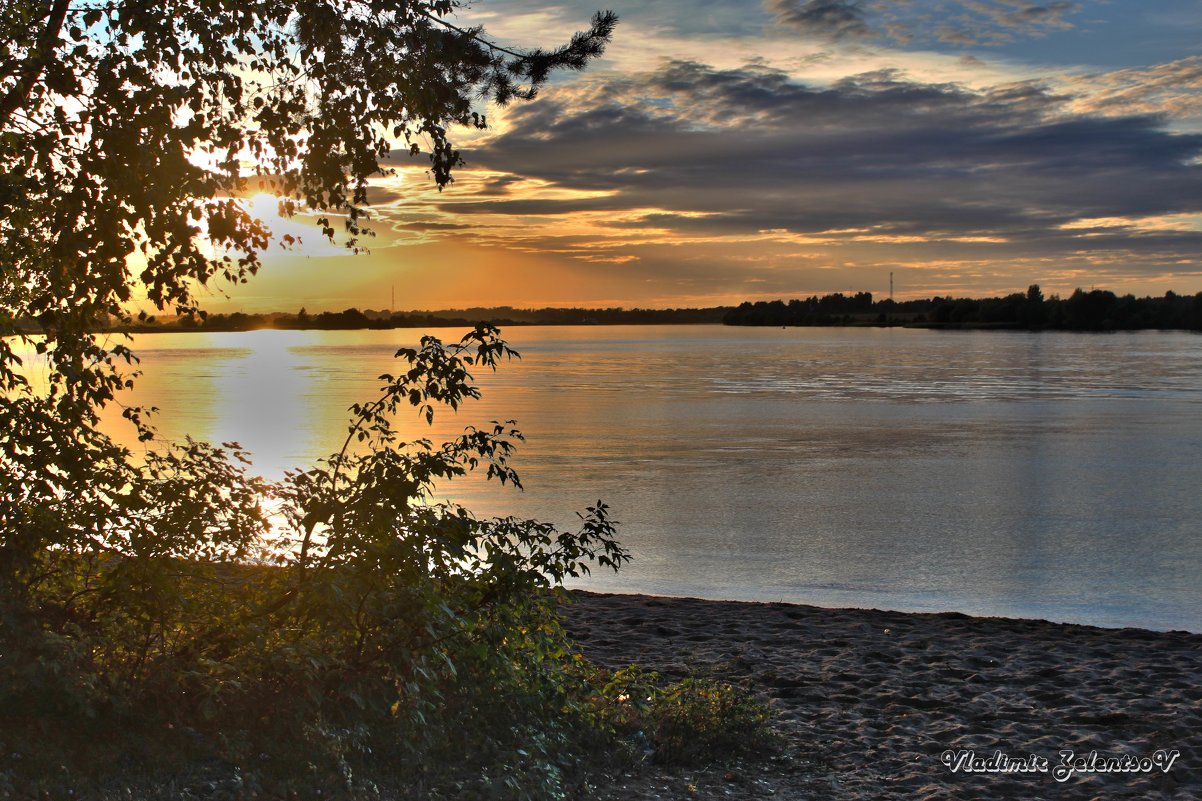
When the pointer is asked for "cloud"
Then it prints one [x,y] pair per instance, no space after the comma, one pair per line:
[430,226]
[1020,13]
[830,19]
[1173,88]
[692,156]
[812,153]
[991,22]
[959,22]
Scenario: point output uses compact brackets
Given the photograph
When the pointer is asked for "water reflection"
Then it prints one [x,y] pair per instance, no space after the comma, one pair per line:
[1050,475]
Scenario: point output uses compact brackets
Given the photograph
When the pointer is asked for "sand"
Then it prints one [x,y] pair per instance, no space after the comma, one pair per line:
[868,702]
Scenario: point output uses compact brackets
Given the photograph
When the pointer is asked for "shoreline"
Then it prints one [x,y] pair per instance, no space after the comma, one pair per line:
[868,702]
[838,607]
[504,324]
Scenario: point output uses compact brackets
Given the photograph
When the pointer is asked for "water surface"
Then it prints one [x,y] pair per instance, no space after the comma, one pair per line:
[1051,475]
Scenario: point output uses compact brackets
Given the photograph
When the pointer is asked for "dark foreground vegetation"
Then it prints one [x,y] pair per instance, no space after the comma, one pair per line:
[173,627]
[1096,310]
[361,642]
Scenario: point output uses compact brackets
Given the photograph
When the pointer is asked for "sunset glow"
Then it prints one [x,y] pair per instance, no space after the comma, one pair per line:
[724,152]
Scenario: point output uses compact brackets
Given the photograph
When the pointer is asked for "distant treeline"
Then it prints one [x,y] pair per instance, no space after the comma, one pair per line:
[369,318]
[1095,310]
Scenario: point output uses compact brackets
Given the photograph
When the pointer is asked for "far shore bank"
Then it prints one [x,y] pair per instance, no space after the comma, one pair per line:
[871,704]
[1096,310]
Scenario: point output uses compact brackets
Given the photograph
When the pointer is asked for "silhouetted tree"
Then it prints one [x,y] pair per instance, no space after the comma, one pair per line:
[1033,314]
[128,132]
[1090,311]
[1094,310]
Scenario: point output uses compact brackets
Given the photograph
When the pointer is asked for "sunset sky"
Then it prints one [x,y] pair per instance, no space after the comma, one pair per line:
[734,150]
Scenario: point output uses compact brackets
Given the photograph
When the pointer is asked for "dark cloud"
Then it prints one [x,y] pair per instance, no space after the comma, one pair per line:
[997,21]
[499,185]
[959,22]
[380,195]
[831,19]
[1019,13]
[538,206]
[876,158]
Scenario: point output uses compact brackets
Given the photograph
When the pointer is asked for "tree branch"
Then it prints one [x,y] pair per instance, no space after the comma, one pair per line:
[471,35]
[35,65]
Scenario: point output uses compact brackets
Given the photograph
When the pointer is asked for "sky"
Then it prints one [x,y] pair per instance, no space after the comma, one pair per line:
[745,150]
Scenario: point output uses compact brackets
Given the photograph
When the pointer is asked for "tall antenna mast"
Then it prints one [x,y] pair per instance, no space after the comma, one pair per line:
[392,303]
[891,286]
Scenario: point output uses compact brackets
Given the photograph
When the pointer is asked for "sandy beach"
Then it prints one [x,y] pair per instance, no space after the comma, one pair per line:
[874,705]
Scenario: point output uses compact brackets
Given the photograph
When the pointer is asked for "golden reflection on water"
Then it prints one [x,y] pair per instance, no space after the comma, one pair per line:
[254,388]
[260,399]
[283,396]
[1050,475]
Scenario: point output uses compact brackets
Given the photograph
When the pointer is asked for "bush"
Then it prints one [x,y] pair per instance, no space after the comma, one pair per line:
[360,628]
[170,624]
[687,722]
[359,640]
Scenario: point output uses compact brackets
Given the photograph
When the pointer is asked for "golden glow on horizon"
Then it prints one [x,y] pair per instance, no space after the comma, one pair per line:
[562,228]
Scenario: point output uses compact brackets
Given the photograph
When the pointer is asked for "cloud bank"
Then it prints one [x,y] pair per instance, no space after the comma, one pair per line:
[697,158]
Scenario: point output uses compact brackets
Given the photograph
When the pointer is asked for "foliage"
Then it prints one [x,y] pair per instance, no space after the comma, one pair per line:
[129,131]
[1096,310]
[389,625]
[170,616]
[686,722]
[172,609]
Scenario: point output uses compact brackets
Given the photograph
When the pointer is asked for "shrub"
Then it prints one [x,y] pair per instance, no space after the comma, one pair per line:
[361,628]
[685,722]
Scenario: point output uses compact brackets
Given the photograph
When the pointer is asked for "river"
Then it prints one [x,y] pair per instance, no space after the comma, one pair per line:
[1050,475]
